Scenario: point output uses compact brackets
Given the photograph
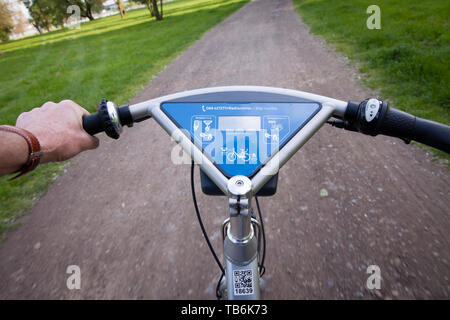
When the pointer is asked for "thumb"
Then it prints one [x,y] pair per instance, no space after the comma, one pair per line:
[89,142]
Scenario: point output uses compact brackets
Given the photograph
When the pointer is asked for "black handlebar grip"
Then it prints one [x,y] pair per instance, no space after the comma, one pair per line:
[432,133]
[92,123]
[397,123]
[400,124]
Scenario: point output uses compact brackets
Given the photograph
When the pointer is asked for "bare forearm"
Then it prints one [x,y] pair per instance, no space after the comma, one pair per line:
[13,152]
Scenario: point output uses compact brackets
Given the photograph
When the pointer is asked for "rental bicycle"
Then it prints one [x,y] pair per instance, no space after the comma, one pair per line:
[240,136]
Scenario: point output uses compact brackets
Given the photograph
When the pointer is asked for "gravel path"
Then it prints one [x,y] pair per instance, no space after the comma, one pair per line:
[124,213]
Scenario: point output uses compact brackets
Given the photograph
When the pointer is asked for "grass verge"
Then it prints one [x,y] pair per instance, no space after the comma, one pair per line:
[109,57]
[407,60]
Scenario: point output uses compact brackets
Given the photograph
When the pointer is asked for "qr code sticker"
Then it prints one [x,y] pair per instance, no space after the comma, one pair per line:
[243,282]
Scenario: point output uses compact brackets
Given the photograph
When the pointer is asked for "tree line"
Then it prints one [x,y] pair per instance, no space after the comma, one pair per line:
[46,14]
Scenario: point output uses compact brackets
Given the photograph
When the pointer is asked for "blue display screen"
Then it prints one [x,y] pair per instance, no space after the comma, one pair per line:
[240,137]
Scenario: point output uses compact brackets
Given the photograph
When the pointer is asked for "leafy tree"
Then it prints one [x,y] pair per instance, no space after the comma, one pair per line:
[45,13]
[6,23]
[87,7]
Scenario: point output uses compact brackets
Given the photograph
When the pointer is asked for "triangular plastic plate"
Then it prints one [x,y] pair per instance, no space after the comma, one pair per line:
[239,137]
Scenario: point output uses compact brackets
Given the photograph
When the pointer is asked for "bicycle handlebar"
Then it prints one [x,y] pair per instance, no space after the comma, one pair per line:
[375,117]
[370,117]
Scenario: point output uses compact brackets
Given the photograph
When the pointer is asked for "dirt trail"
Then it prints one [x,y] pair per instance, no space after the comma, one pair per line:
[124,213]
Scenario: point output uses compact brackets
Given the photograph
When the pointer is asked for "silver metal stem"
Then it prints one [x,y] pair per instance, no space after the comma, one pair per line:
[240,219]
[241,244]
[239,188]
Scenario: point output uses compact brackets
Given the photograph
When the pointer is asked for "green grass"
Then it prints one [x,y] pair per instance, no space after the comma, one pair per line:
[107,58]
[407,60]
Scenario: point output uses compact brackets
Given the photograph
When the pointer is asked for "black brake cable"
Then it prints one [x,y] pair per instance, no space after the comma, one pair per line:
[262,269]
[218,293]
[204,231]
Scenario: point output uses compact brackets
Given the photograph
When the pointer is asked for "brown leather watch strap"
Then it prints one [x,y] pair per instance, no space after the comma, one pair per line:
[34,149]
